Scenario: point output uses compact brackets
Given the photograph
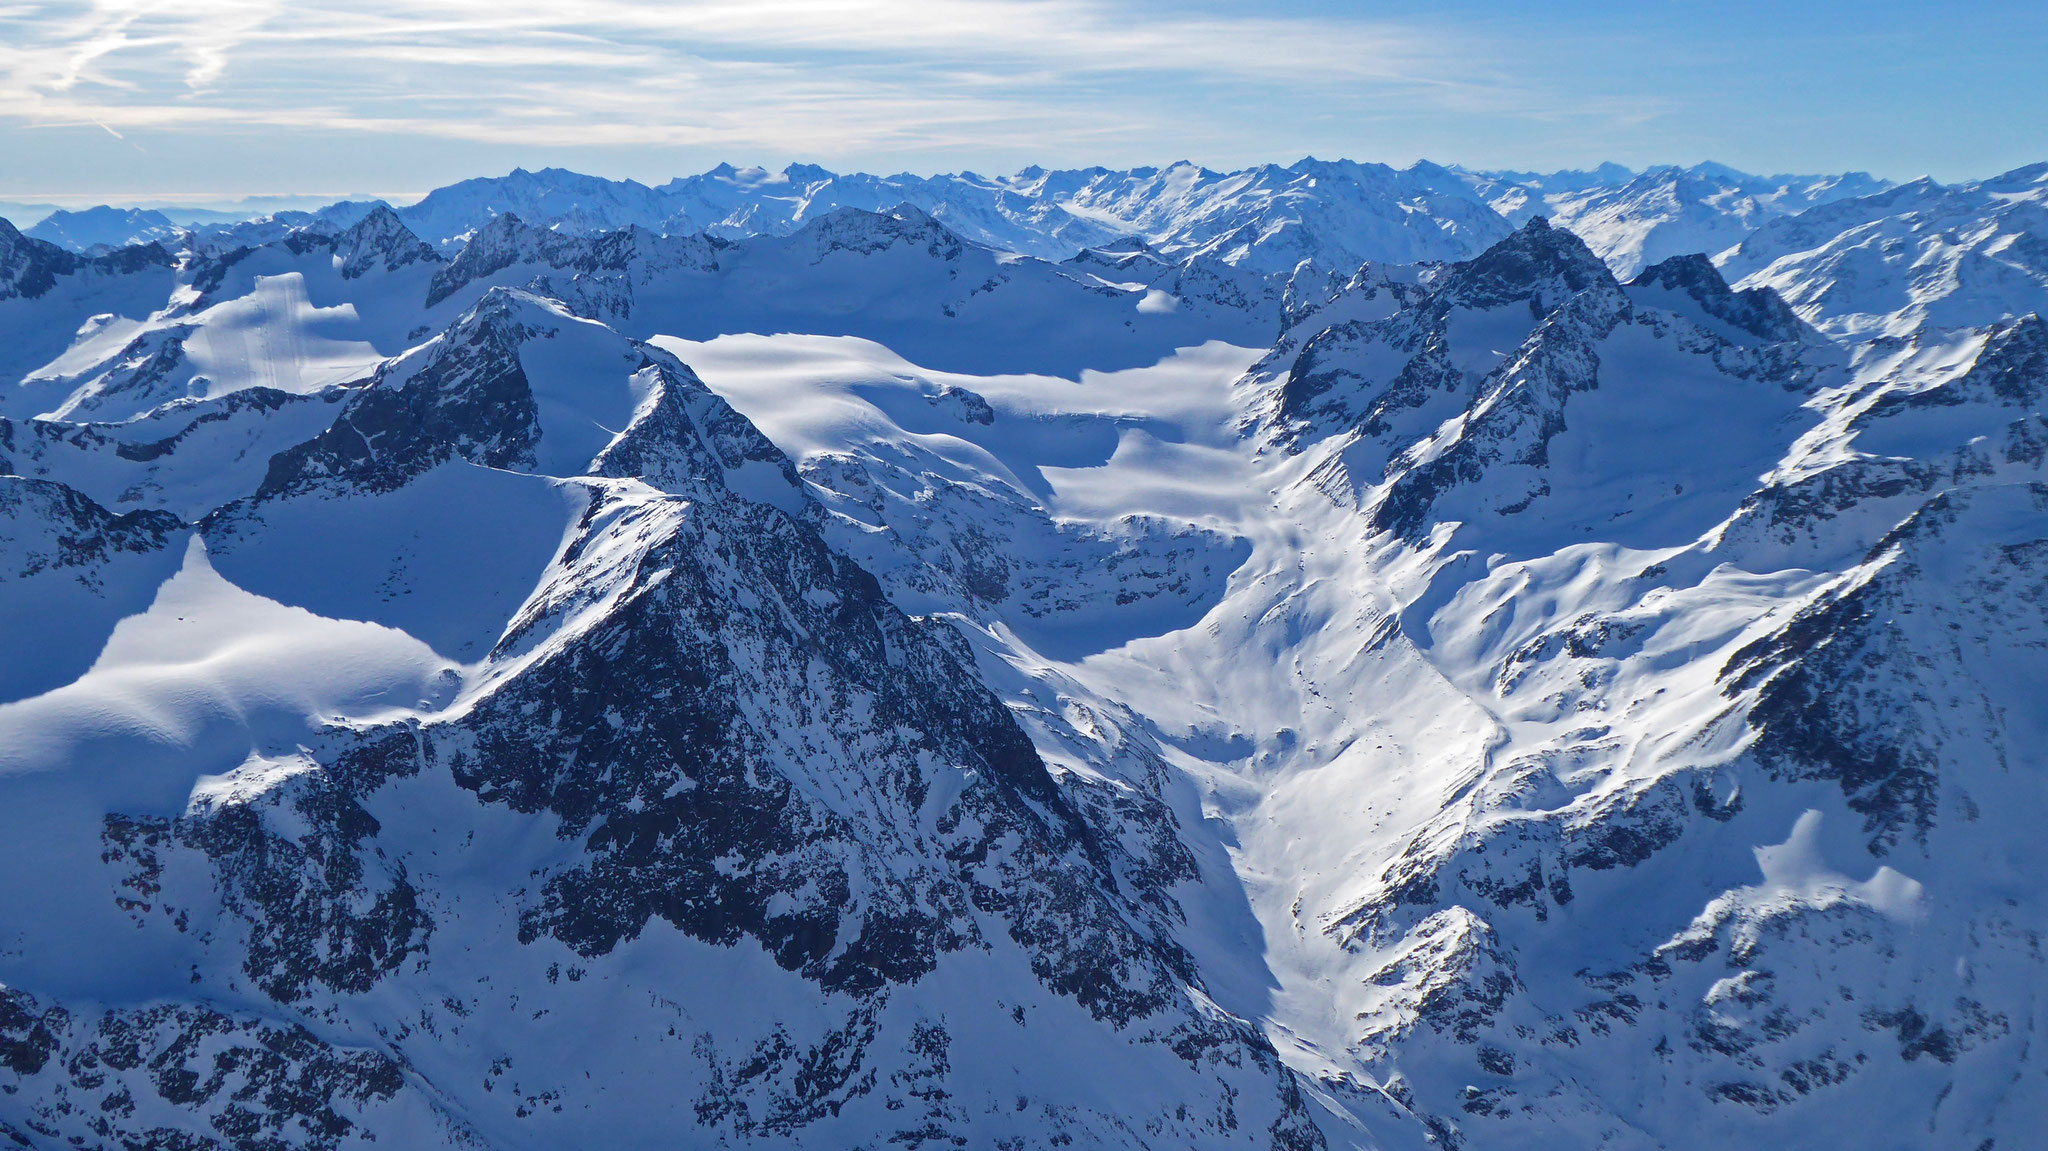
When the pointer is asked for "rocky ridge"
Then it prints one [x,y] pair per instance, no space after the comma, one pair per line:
[1517,706]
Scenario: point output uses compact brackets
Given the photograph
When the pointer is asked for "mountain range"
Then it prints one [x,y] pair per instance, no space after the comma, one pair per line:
[1312,657]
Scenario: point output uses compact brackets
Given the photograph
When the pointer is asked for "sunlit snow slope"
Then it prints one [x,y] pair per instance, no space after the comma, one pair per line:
[848,686]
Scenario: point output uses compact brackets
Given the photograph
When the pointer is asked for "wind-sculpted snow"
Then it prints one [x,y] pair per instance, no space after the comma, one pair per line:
[116,337]
[790,674]
[1852,252]
[1656,683]
[694,734]
[72,570]
[900,278]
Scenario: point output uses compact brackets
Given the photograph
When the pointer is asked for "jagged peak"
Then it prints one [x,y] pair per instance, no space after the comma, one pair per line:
[1693,272]
[462,394]
[503,224]
[13,242]
[1760,312]
[1535,262]
[503,241]
[552,177]
[29,267]
[380,239]
[807,173]
[909,213]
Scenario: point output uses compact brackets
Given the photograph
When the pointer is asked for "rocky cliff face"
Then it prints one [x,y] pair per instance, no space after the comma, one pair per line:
[700,731]
[852,688]
[1678,556]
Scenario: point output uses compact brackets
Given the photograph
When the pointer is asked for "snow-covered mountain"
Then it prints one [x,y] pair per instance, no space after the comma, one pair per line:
[1267,218]
[845,683]
[1633,220]
[1919,254]
[103,227]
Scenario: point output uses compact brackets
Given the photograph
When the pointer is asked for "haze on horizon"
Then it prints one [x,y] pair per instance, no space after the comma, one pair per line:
[128,100]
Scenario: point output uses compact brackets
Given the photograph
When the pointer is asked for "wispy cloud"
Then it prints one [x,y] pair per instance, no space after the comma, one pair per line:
[826,77]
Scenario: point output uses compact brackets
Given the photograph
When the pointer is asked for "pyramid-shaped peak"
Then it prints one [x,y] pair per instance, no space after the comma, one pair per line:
[503,241]
[1535,261]
[380,240]
[500,230]
[380,218]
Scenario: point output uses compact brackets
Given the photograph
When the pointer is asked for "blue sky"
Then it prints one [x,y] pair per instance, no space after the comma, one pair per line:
[206,99]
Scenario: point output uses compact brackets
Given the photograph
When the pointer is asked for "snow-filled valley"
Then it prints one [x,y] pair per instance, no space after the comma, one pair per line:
[1312,657]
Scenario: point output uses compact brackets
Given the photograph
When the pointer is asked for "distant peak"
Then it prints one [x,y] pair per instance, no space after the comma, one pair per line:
[380,239]
[1692,272]
[499,244]
[1758,311]
[2024,175]
[381,222]
[1712,170]
[1536,261]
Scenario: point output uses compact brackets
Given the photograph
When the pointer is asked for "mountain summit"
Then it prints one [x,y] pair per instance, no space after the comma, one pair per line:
[1316,657]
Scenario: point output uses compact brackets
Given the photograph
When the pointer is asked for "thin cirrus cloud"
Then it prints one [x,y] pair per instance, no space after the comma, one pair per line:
[824,76]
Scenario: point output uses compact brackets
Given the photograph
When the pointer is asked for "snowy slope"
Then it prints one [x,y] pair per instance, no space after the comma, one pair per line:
[530,542]
[103,226]
[838,684]
[1512,713]
[1635,220]
[1919,254]
[1267,218]
[143,329]
[898,276]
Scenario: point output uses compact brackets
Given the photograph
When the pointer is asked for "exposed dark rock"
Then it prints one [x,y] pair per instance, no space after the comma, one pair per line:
[1760,312]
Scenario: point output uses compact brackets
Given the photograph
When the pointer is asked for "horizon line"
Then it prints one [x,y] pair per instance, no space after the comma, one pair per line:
[220,200]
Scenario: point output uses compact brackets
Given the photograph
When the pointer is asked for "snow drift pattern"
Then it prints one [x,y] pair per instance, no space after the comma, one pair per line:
[818,680]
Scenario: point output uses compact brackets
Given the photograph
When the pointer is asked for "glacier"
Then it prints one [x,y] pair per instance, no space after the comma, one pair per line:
[1323,656]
